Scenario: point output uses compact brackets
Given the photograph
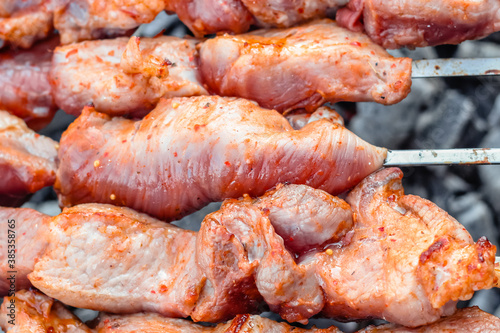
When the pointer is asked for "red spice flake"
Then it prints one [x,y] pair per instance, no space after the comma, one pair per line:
[381,229]
[111,53]
[301,10]
[123,141]
[356,43]
[99,59]
[70,53]
[435,247]
[175,154]
[153,292]
[391,198]
[163,288]
[393,66]
[227,163]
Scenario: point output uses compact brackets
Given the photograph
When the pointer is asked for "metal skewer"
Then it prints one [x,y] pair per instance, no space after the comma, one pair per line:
[455,67]
[442,157]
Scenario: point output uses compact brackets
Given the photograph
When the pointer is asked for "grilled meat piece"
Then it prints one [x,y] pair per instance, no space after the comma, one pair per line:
[304,67]
[31,311]
[124,76]
[395,23]
[466,320]
[24,235]
[300,118]
[27,160]
[156,324]
[406,253]
[189,152]
[209,276]
[24,22]
[24,80]
[92,19]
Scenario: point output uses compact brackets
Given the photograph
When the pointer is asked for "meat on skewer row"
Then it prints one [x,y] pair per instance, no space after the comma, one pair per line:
[408,259]
[189,152]
[418,23]
[300,67]
[120,78]
[27,160]
[24,80]
[33,310]
[23,22]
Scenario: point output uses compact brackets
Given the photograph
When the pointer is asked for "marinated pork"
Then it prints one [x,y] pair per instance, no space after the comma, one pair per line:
[189,152]
[92,19]
[31,311]
[23,22]
[304,67]
[123,76]
[395,23]
[402,258]
[27,160]
[407,254]
[25,87]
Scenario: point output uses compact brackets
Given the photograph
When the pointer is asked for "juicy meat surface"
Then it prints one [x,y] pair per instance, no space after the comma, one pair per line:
[123,76]
[24,81]
[395,23]
[189,152]
[27,160]
[406,253]
[37,313]
[27,238]
[287,13]
[211,16]
[466,320]
[156,324]
[24,22]
[92,19]
[304,67]
[210,276]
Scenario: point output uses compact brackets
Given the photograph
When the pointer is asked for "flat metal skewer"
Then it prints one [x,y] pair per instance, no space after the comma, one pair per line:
[424,157]
[455,67]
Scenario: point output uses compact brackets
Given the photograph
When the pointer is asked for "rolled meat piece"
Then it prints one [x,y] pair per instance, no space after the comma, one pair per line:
[209,276]
[407,253]
[122,76]
[23,22]
[93,19]
[27,160]
[24,78]
[303,67]
[189,152]
[418,23]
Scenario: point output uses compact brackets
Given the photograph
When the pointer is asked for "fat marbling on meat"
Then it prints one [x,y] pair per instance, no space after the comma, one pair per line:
[189,152]
[418,23]
[304,67]
[27,160]
[122,76]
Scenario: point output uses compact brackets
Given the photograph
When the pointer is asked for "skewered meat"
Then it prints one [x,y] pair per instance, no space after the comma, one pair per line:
[27,160]
[120,78]
[208,276]
[92,19]
[191,151]
[34,312]
[467,320]
[395,23]
[237,259]
[205,17]
[25,88]
[284,69]
[22,23]
[28,235]
[303,67]
[407,252]
[300,118]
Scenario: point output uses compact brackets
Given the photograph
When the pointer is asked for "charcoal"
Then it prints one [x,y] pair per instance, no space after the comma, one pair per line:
[475,215]
[486,300]
[490,174]
[193,221]
[444,125]
[397,120]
